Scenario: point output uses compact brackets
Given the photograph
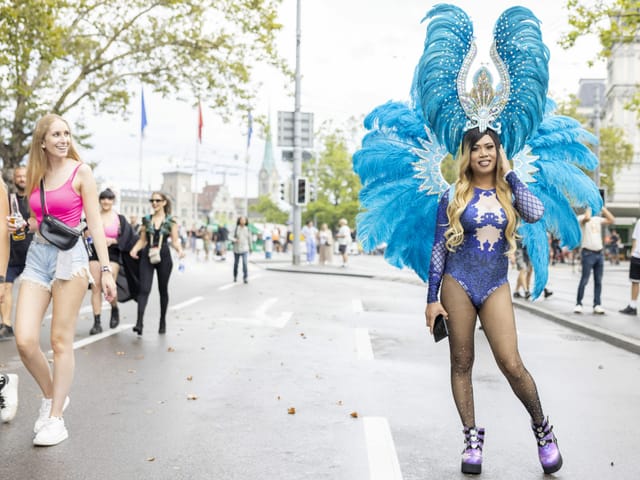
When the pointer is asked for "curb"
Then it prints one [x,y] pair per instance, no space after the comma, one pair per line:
[615,339]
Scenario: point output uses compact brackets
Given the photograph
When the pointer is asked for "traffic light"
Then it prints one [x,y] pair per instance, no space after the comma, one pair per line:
[301,193]
[313,192]
[283,192]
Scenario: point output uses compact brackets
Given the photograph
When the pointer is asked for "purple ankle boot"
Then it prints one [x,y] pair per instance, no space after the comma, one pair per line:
[472,453]
[548,451]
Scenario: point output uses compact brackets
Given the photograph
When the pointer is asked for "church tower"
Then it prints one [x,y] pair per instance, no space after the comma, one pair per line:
[268,178]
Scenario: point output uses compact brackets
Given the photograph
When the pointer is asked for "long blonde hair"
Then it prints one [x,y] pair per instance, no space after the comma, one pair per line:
[454,235]
[37,164]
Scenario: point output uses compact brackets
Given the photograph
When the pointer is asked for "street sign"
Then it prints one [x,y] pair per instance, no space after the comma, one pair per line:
[285,129]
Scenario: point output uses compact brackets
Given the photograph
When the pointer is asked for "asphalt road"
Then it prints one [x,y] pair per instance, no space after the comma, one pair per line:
[213,398]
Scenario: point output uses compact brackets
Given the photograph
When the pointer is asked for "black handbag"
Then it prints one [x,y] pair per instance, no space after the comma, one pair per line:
[54,230]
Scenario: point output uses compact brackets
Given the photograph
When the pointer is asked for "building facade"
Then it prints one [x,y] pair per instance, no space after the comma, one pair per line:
[268,177]
[623,72]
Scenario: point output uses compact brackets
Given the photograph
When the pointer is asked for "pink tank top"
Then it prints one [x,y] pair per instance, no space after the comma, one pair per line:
[111,231]
[63,202]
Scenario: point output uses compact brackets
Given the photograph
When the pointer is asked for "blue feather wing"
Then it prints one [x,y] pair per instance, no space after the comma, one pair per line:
[448,40]
[518,42]
[399,198]
[562,185]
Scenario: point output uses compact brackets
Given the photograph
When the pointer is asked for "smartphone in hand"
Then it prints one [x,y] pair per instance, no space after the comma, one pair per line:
[440,329]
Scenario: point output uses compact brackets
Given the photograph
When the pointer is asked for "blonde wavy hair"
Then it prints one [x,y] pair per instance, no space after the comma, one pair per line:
[454,235]
[37,164]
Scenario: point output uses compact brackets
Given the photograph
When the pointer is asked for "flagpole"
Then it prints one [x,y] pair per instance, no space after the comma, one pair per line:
[246,166]
[143,124]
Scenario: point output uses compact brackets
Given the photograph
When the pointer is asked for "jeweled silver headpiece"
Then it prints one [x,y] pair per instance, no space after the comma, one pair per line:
[482,105]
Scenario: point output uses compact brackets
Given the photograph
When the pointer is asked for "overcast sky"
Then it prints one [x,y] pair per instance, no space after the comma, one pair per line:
[355,55]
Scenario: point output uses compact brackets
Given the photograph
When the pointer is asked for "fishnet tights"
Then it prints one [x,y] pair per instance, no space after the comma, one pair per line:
[498,322]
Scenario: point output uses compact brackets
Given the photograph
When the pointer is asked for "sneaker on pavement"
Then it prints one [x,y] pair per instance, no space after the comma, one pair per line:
[45,411]
[8,396]
[577,309]
[629,310]
[52,433]
[547,293]
[598,310]
[6,332]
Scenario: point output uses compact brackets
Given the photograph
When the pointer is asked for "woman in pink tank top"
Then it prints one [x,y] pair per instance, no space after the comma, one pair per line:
[111,222]
[53,275]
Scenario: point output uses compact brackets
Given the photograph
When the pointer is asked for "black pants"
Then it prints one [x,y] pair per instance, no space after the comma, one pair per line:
[236,259]
[163,270]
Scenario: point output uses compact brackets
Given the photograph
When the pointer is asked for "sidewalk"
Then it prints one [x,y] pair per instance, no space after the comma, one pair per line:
[613,327]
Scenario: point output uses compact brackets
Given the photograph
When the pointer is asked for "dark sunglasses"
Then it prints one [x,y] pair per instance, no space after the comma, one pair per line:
[155,200]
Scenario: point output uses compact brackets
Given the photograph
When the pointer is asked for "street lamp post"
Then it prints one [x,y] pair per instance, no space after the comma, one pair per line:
[297,144]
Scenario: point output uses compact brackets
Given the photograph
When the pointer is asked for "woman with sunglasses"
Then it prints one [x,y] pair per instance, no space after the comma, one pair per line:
[153,252]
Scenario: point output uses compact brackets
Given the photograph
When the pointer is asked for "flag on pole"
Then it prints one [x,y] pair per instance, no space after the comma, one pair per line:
[200,122]
[143,118]
[249,129]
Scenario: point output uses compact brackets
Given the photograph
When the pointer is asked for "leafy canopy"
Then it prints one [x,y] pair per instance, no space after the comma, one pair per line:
[70,55]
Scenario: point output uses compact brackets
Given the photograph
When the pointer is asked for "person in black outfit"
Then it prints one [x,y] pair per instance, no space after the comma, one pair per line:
[17,255]
[157,228]
[221,241]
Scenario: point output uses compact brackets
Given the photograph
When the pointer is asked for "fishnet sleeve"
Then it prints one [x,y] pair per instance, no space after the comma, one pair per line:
[439,252]
[528,205]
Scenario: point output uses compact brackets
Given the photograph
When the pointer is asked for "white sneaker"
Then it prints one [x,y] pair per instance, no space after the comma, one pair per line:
[8,397]
[52,432]
[598,310]
[45,411]
[577,309]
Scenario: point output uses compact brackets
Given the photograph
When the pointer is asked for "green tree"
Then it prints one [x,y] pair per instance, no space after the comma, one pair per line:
[615,153]
[337,185]
[70,55]
[613,21]
[269,210]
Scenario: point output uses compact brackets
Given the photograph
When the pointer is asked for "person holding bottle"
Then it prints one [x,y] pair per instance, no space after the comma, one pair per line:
[19,245]
[152,250]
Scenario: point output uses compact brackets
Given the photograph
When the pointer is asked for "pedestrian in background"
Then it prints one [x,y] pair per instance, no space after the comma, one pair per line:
[472,268]
[221,241]
[325,240]
[152,251]
[344,239]
[634,272]
[18,253]
[614,247]
[241,248]
[523,264]
[55,275]
[592,256]
[310,232]
[111,222]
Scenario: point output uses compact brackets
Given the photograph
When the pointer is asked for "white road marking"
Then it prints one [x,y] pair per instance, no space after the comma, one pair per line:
[363,344]
[357,306]
[383,460]
[186,303]
[261,318]
[99,336]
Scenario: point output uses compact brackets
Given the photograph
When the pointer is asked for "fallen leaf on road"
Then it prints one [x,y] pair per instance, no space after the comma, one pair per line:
[354,414]
[190,377]
[171,349]
[131,370]
[192,396]
[278,397]
[291,411]
[151,459]
[340,402]
[120,354]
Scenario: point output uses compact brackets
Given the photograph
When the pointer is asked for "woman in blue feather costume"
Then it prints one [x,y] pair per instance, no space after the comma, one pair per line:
[468,229]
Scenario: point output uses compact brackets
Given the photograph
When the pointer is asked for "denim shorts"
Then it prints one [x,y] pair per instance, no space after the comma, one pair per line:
[46,263]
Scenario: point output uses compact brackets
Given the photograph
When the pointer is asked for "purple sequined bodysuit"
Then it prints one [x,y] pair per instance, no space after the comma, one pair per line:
[479,264]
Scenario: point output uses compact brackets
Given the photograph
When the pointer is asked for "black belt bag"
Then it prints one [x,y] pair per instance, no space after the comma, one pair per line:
[54,230]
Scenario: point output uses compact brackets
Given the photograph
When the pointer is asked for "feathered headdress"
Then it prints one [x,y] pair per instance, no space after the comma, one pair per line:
[399,163]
